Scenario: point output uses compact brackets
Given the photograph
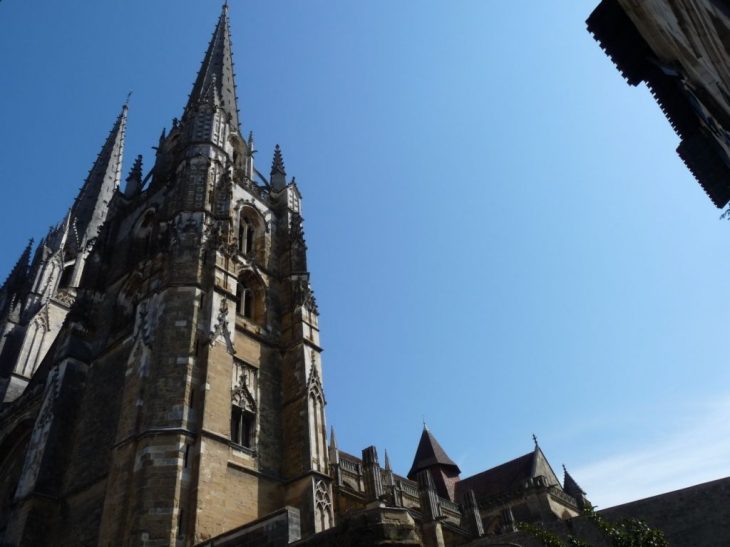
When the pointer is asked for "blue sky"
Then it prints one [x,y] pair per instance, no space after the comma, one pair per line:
[501,236]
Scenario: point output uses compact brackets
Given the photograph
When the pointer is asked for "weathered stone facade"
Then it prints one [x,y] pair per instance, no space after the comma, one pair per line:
[161,375]
[176,393]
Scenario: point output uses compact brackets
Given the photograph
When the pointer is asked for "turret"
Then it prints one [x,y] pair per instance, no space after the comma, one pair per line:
[571,487]
[432,458]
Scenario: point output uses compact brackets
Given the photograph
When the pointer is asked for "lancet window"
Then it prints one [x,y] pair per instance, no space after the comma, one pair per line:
[243,405]
[244,300]
[250,297]
[246,235]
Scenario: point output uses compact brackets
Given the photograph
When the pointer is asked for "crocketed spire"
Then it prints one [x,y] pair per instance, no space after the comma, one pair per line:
[278,174]
[91,206]
[216,78]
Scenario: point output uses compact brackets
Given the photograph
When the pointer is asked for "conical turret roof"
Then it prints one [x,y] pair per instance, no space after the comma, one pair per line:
[430,454]
[216,77]
[570,486]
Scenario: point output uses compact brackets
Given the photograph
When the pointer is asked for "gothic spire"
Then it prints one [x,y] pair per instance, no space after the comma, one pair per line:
[216,77]
[90,208]
[278,174]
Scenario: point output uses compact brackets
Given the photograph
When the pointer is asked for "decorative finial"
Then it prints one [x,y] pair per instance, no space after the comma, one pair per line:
[126,103]
[225,6]
[425,427]
[564,469]
[534,438]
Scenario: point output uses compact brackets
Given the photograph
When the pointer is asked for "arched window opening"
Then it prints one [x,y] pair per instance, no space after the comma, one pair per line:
[246,235]
[250,297]
[242,426]
[244,301]
[143,236]
[243,405]
[66,276]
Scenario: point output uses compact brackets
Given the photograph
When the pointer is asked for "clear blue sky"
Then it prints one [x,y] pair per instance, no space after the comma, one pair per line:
[501,236]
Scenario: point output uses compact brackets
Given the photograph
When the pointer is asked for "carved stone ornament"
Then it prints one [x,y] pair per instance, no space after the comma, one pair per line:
[185,229]
[296,231]
[314,384]
[304,296]
[144,324]
[65,298]
[37,444]
[244,388]
[221,328]
[256,190]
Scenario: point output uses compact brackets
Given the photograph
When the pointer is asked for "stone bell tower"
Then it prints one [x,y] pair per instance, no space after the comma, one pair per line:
[193,339]
[223,406]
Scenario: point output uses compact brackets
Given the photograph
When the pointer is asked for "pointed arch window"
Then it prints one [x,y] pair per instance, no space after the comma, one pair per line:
[243,405]
[250,293]
[244,300]
[242,426]
[66,276]
[246,235]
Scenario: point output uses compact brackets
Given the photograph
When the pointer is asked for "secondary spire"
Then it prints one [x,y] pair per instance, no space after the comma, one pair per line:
[216,72]
[90,208]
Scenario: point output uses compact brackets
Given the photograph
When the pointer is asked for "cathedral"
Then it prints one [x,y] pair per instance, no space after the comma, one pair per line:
[161,375]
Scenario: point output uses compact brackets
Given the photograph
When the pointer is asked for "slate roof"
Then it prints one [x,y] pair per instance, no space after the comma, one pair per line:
[498,479]
[430,454]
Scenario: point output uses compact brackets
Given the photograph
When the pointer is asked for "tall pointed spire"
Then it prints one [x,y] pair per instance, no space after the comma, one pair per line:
[91,206]
[216,77]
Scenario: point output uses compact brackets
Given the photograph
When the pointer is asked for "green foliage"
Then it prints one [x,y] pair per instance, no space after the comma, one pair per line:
[624,533]
[628,532]
[548,539]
